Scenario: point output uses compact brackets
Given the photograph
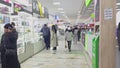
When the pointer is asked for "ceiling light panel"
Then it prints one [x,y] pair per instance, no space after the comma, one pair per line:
[56,3]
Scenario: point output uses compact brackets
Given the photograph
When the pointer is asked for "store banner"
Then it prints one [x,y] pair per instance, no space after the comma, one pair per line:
[88,2]
[40,9]
[17,8]
[4,10]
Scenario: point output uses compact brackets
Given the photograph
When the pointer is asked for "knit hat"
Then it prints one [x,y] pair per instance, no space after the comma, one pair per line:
[8,26]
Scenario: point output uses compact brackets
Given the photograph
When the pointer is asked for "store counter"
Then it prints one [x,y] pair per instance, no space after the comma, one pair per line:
[88,43]
[86,39]
[30,48]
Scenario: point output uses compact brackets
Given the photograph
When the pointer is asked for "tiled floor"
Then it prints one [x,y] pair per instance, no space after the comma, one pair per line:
[62,58]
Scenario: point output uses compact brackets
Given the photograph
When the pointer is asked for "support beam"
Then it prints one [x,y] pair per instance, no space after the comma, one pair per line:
[107,52]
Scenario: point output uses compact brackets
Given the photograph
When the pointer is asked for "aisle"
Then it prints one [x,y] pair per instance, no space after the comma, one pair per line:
[62,59]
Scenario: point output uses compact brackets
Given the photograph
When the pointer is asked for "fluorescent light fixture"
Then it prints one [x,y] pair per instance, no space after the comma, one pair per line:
[60,9]
[56,3]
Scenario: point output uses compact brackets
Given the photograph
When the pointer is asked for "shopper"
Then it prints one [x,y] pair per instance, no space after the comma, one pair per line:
[46,35]
[118,35]
[75,35]
[79,33]
[69,37]
[8,48]
[14,30]
[54,40]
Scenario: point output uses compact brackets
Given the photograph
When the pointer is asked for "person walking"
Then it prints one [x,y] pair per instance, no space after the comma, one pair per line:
[79,33]
[54,40]
[46,35]
[118,35]
[69,37]
[75,35]
[8,48]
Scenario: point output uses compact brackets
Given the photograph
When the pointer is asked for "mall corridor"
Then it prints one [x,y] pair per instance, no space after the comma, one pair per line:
[62,59]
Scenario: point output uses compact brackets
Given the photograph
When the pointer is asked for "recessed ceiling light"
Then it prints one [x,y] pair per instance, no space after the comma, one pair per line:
[60,9]
[56,3]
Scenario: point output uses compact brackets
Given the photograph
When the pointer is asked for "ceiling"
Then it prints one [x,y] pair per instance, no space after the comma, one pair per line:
[70,7]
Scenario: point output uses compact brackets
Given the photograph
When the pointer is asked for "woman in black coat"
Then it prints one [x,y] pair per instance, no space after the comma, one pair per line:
[9,42]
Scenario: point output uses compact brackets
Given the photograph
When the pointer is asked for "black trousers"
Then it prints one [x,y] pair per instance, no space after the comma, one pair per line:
[69,45]
[47,41]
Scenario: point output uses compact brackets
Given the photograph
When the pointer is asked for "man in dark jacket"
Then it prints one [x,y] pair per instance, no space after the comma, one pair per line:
[46,35]
[9,42]
[118,35]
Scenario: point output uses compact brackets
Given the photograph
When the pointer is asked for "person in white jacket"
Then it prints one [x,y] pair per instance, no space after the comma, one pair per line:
[69,37]
[54,40]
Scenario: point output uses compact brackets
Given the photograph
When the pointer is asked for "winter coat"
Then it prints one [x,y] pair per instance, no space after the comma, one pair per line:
[118,37]
[69,35]
[9,41]
[54,39]
[46,31]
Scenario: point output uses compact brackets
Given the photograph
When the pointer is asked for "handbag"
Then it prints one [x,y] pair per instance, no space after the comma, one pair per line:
[10,52]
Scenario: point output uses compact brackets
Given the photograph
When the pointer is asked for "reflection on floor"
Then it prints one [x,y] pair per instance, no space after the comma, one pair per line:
[62,59]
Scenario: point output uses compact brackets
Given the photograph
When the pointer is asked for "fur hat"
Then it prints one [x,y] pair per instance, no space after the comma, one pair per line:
[8,26]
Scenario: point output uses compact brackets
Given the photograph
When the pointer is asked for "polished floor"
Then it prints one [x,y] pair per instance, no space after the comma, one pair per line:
[62,59]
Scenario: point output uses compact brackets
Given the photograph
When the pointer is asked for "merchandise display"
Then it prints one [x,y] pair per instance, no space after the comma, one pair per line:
[95,52]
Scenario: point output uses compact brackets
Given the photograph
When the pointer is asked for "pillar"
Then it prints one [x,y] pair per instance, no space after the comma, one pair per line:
[107,51]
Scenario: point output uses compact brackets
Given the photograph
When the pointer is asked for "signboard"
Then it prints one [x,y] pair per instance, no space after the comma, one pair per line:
[88,2]
[40,9]
[4,10]
[108,13]
[17,8]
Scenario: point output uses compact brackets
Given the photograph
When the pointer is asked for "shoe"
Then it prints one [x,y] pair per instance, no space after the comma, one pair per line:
[69,50]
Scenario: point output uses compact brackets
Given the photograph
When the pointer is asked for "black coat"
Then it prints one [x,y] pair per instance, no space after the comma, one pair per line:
[9,41]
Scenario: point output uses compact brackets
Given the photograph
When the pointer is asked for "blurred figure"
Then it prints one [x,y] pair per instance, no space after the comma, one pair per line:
[75,35]
[69,37]
[46,35]
[118,35]
[54,40]
[8,48]
[14,30]
[79,33]
[67,28]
